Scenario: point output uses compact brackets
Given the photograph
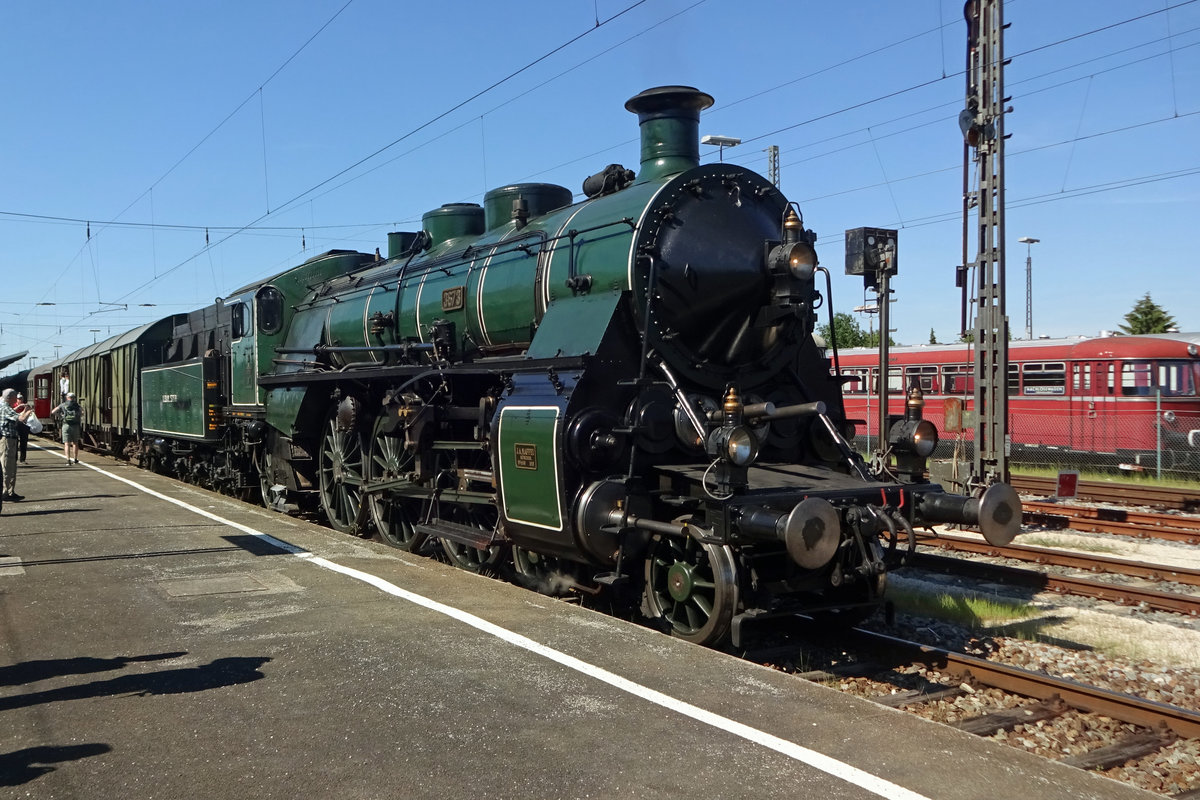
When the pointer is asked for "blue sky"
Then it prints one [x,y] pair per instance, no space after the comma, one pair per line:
[151,122]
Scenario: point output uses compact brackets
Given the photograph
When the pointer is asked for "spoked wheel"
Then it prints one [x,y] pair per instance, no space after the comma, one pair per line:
[540,572]
[464,556]
[340,472]
[693,586]
[394,516]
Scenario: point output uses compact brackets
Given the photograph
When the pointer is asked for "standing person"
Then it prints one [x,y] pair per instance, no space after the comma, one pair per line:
[23,430]
[64,385]
[72,425]
[10,423]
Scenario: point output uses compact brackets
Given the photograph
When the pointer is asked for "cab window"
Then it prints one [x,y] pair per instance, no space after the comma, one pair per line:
[269,304]
[238,310]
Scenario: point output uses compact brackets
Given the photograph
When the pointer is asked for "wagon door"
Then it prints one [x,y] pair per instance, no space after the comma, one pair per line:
[1097,419]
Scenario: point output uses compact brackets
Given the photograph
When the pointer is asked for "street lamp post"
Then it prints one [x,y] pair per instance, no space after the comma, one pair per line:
[1029,242]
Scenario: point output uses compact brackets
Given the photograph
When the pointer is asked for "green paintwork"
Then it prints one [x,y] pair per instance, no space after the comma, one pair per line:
[283,407]
[527,453]
[539,199]
[574,328]
[243,356]
[174,399]
[452,221]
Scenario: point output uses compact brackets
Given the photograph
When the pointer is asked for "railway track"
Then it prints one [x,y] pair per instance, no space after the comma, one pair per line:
[1074,694]
[1120,521]
[1059,558]
[1106,492]
[1141,597]
[995,699]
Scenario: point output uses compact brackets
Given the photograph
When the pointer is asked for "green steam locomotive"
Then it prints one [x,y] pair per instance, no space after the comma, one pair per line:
[619,396]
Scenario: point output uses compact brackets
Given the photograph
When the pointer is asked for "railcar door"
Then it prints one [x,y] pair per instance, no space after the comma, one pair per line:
[41,395]
[1098,411]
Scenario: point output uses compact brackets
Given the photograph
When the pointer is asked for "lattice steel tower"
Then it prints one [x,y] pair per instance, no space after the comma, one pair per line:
[982,123]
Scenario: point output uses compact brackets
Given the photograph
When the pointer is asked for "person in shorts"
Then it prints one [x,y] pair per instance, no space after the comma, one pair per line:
[72,426]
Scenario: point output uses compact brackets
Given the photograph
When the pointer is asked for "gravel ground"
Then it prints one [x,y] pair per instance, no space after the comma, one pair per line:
[1149,654]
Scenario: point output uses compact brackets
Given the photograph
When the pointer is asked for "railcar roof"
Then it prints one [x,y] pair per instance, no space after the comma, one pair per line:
[112,342]
[49,366]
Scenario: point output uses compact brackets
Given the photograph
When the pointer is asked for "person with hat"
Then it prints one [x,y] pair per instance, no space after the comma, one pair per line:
[72,426]
[11,421]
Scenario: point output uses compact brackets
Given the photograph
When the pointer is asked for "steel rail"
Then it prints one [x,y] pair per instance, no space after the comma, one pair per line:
[1060,584]
[1058,558]
[1118,705]
[1103,491]
[1138,524]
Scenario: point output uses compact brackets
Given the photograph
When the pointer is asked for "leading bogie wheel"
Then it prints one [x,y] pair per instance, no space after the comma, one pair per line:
[692,586]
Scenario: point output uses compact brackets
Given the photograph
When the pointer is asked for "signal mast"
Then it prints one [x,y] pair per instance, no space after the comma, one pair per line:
[982,124]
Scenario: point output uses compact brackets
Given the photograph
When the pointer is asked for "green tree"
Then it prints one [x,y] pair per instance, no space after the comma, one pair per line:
[871,339]
[1147,316]
[932,337]
[849,334]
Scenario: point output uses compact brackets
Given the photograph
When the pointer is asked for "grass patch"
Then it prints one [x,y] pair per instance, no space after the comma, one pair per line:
[1112,475]
[971,610]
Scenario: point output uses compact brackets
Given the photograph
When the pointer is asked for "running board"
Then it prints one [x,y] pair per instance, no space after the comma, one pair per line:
[463,534]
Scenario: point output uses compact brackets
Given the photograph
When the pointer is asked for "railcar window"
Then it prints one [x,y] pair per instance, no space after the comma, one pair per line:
[1177,378]
[858,381]
[269,301]
[1014,379]
[958,379]
[1081,378]
[1136,379]
[238,310]
[1048,377]
[926,378]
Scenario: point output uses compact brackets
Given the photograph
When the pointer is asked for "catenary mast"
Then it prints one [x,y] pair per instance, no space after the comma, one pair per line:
[982,123]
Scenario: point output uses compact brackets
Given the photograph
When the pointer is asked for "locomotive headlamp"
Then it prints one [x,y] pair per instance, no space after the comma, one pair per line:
[737,444]
[919,437]
[798,258]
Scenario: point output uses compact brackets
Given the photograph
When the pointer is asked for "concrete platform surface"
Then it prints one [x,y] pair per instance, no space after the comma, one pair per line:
[158,641]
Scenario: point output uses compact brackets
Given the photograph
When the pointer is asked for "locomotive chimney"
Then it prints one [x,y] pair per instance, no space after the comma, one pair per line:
[669,117]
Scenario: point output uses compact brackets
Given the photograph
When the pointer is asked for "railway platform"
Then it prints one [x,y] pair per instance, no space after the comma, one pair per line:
[160,641]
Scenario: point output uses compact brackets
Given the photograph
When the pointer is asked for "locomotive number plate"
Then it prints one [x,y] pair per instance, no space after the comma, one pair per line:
[454,298]
[526,455]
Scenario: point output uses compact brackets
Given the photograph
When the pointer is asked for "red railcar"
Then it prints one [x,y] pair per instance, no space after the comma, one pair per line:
[44,389]
[1116,399]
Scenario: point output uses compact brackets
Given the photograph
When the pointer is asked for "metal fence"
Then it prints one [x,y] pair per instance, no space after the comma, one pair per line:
[1147,442]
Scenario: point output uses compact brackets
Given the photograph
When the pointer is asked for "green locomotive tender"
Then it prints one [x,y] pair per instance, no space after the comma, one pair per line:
[618,395]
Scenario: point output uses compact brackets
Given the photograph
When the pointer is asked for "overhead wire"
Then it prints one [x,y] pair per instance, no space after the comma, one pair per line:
[252,227]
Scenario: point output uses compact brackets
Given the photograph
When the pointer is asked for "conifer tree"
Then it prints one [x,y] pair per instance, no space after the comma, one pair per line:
[1147,316]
